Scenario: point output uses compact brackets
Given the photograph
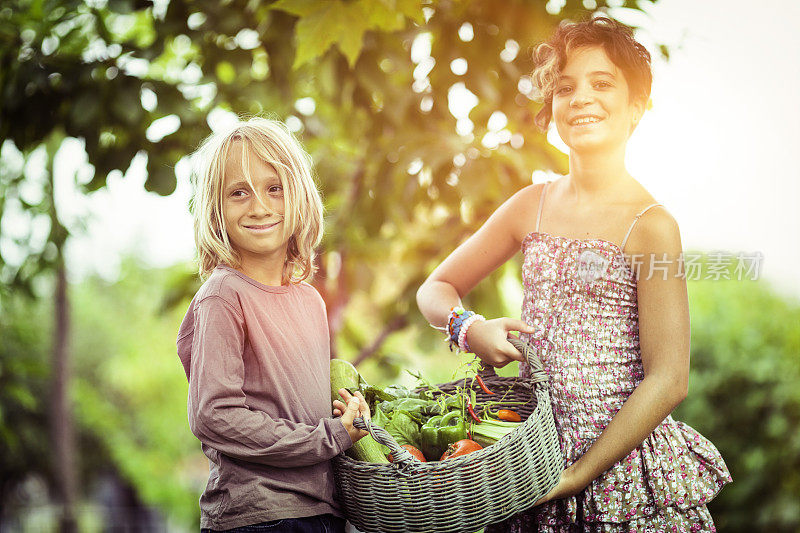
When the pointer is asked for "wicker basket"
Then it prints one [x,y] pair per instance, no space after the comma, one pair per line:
[466,493]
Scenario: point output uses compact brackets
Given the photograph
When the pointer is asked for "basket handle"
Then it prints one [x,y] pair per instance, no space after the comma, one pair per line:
[538,374]
[537,370]
[400,456]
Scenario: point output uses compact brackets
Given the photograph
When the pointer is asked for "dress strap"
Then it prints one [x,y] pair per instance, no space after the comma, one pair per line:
[642,212]
[541,203]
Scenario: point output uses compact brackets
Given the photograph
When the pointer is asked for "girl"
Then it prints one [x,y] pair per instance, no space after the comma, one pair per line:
[254,343]
[613,334]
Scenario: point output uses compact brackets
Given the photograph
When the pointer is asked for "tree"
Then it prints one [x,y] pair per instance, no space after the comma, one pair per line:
[23,389]
[743,397]
[62,74]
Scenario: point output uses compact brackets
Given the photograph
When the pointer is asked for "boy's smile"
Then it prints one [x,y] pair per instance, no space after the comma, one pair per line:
[262,228]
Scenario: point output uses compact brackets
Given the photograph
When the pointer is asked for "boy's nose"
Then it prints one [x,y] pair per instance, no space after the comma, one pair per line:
[257,208]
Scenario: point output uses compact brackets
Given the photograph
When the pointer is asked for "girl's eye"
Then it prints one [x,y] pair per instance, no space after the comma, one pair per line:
[235,193]
[567,87]
[276,189]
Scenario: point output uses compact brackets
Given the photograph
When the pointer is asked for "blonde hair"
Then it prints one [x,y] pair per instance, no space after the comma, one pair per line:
[272,141]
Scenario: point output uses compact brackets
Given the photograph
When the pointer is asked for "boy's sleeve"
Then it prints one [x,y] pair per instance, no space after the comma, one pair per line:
[218,414]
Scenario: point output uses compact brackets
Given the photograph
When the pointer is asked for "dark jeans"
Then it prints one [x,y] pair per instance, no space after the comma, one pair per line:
[324,523]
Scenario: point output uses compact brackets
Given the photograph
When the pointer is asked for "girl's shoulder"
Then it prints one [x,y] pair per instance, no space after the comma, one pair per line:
[528,197]
[530,192]
[521,210]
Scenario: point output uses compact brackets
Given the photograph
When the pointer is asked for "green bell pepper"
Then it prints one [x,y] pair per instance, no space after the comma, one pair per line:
[441,431]
[429,437]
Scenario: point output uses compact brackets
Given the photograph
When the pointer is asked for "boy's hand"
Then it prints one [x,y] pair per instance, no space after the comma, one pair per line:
[355,406]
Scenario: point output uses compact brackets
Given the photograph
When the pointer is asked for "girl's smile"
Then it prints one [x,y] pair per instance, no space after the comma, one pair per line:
[584,120]
[591,106]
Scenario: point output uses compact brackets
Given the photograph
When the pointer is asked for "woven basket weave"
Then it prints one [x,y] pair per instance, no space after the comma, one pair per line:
[466,493]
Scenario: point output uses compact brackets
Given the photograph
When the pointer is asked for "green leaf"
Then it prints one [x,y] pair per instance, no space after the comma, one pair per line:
[314,34]
[323,24]
[382,15]
[335,22]
[22,395]
[301,8]
[412,9]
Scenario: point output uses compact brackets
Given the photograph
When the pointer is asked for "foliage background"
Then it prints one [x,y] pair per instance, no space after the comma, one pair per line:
[404,182]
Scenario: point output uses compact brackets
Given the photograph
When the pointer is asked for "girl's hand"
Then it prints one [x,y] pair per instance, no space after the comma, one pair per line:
[356,406]
[489,340]
[567,486]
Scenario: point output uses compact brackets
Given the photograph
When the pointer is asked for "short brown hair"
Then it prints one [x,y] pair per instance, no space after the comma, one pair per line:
[617,41]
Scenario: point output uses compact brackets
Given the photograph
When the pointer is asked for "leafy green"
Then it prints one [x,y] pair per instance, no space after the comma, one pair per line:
[416,406]
[375,395]
[400,391]
[380,418]
[404,429]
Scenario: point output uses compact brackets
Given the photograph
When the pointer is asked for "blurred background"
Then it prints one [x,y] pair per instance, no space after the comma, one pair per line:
[419,117]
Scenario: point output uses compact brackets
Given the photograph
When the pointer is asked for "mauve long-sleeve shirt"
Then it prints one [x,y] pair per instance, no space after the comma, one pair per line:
[257,358]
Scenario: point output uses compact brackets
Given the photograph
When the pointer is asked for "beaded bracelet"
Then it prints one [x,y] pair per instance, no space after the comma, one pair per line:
[458,315]
[458,321]
[462,335]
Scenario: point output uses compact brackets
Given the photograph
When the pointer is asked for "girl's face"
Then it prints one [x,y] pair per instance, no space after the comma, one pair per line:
[592,87]
[256,231]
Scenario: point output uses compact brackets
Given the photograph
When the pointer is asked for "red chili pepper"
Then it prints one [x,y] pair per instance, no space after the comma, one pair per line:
[483,385]
[508,415]
[472,413]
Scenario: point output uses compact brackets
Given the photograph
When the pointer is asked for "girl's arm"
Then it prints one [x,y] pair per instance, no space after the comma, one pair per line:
[491,246]
[664,342]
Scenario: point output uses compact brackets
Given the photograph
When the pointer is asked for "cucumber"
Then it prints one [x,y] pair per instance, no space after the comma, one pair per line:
[344,374]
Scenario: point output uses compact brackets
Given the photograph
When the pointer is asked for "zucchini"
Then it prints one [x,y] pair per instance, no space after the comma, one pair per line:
[344,374]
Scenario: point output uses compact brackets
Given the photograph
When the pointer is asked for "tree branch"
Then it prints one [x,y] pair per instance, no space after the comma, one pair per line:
[399,322]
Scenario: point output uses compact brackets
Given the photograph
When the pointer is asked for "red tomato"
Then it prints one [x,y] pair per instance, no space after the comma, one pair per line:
[462,447]
[415,452]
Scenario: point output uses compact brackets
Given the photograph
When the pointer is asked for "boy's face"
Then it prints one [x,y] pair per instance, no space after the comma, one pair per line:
[256,231]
